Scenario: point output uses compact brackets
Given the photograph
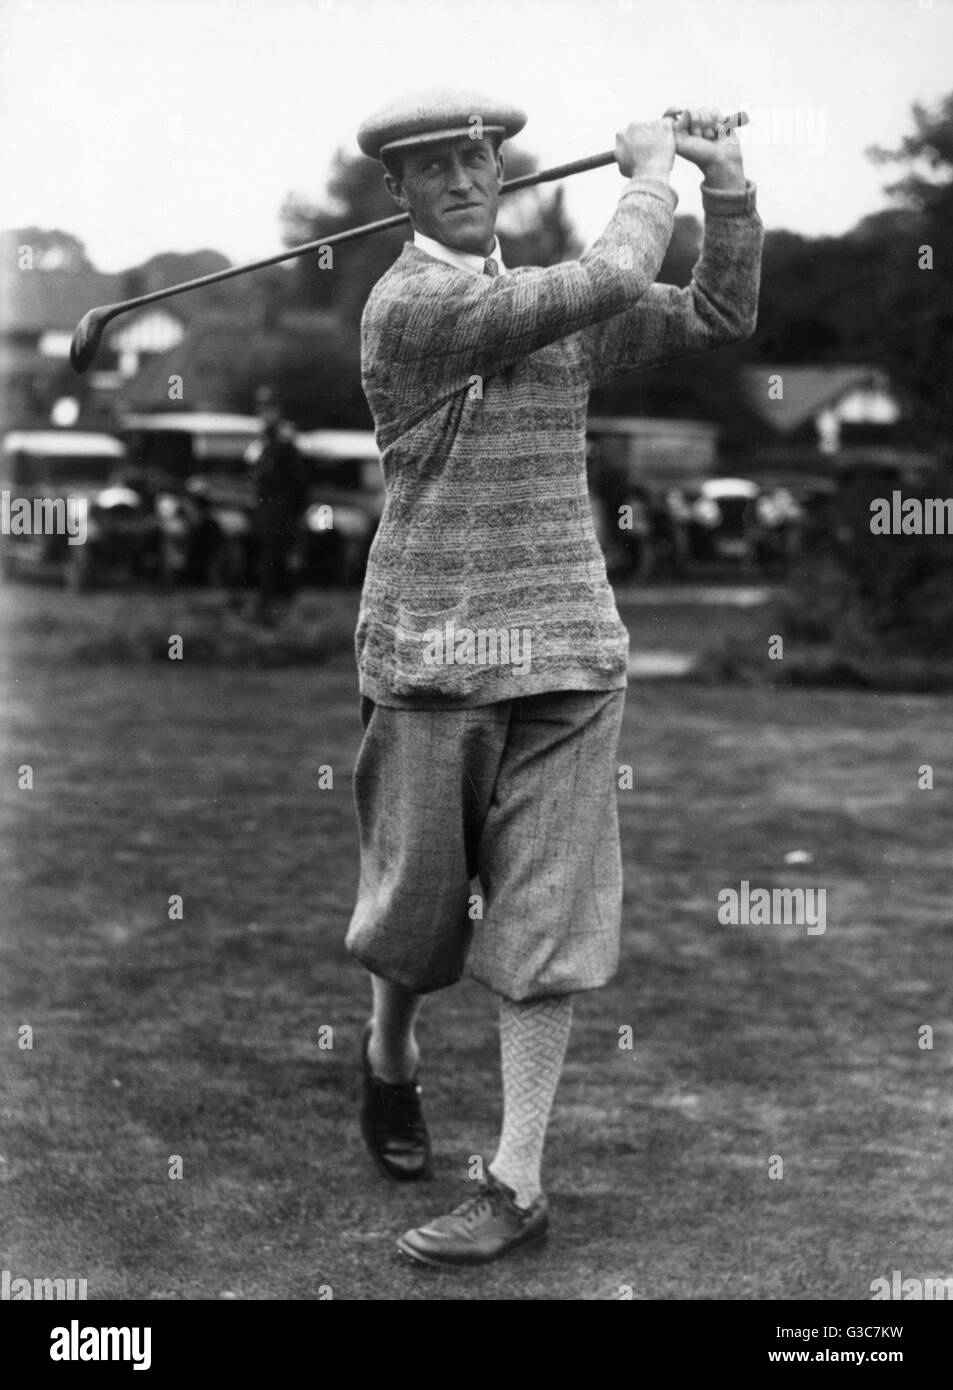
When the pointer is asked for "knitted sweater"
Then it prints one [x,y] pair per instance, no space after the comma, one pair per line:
[485,580]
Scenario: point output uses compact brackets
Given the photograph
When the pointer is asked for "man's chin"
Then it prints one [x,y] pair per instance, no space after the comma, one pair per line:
[464,233]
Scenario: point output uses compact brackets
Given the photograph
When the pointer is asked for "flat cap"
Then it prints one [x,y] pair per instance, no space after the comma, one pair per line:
[439,114]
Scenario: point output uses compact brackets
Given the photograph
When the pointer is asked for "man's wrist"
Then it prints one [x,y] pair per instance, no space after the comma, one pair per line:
[727,177]
[661,173]
[730,202]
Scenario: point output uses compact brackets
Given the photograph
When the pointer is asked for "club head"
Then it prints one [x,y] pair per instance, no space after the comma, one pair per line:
[87,337]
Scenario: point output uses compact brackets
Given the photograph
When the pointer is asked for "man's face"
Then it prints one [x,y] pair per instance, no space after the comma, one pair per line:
[451,191]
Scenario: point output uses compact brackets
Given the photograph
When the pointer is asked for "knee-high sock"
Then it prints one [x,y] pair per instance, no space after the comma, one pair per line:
[533,1040]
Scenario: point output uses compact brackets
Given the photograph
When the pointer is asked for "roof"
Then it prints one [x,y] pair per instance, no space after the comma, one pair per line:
[70,443]
[338,444]
[649,425]
[219,349]
[194,422]
[37,301]
[730,487]
[807,391]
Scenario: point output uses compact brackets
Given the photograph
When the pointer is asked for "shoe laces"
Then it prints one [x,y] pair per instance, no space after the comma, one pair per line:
[490,1198]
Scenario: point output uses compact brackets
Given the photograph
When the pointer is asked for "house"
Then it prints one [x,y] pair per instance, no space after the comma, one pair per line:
[828,420]
[306,355]
[40,308]
[820,407]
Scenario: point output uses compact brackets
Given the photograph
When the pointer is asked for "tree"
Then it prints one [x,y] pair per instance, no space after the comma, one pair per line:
[534,230]
[927,154]
[918,296]
[533,225]
[260,296]
[52,249]
[355,195]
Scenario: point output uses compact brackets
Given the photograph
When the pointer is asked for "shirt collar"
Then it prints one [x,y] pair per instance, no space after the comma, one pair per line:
[463,260]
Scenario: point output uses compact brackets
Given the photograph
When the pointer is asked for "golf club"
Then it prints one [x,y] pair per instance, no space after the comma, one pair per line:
[89,331]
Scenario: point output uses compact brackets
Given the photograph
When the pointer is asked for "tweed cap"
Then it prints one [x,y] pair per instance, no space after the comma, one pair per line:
[422,118]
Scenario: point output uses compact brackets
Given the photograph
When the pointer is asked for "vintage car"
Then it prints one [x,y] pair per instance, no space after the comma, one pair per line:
[738,521]
[347,498]
[69,512]
[194,466]
[636,468]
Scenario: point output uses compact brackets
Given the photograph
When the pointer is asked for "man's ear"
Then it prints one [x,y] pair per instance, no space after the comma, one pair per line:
[396,190]
[499,166]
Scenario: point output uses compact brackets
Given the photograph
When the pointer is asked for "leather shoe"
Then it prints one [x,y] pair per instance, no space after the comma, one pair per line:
[393,1124]
[484,1227]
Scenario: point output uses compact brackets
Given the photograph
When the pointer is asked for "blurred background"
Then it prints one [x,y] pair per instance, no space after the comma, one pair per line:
[182,137]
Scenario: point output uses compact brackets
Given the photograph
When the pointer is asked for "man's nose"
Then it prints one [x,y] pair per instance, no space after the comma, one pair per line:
[458,176]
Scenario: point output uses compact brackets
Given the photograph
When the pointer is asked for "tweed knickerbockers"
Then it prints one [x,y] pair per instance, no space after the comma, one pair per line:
[520,793]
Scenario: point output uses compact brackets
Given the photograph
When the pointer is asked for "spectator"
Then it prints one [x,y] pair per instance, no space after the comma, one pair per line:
[280,485]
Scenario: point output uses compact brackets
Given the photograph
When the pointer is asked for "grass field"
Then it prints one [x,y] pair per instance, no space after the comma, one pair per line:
[200,1038]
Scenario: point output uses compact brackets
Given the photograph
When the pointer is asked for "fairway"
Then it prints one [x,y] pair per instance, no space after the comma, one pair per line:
[201,1038]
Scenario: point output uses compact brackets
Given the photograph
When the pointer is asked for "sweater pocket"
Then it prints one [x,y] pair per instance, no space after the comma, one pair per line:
[425,646]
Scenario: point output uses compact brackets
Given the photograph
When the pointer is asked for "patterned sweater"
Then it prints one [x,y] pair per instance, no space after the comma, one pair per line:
[485,580]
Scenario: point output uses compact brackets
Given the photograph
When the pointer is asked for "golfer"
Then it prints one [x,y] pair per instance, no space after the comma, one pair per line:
[491,657]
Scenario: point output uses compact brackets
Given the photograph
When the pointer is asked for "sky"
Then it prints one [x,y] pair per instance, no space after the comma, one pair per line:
[154,125]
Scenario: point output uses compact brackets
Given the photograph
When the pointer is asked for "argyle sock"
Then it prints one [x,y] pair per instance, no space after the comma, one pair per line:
[533,1040]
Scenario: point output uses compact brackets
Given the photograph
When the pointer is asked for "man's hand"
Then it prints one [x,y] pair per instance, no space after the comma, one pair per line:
[646,150]
[702,137]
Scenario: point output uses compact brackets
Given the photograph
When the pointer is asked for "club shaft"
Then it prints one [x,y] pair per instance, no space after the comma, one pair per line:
[89,330]
[562,171]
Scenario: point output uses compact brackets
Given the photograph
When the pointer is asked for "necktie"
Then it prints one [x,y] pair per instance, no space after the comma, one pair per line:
[490,267]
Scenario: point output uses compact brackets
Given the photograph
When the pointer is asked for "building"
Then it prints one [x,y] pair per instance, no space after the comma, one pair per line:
[820,415]
[39,310]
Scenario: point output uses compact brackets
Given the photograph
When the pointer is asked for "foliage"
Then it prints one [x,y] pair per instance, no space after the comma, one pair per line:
[868,296]
[878,608]
[52,249]
[534,230]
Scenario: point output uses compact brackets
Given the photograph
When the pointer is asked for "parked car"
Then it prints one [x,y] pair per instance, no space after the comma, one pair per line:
[625,531]
[816,497]
[739,521]
[636,466]
[194,466]
[347,498]
[79,474]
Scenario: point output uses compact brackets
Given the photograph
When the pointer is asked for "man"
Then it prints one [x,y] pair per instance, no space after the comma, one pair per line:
[492,660]
[280,486]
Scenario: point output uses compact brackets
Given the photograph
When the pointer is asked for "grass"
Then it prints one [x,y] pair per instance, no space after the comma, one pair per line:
[200,1038]
[134,626]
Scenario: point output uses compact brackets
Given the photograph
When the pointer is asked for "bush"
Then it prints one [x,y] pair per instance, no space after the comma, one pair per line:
[872,611]
[894,590]
[136,629]
[879,606]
